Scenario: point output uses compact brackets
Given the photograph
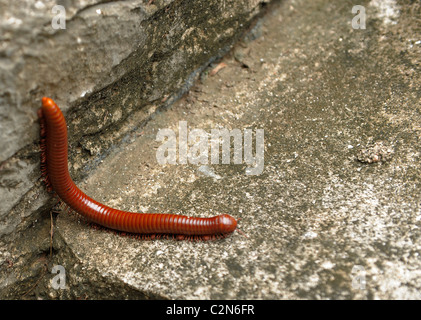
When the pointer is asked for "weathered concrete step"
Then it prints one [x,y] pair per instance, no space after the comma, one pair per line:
[109,65]
[320,223]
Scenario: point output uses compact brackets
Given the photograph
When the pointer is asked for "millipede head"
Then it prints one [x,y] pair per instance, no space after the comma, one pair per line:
[226,223]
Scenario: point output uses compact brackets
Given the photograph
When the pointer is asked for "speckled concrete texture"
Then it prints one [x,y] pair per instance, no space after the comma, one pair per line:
[322,222]
[109,68]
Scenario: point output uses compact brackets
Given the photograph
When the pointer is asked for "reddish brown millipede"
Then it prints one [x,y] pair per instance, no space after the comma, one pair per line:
[150,225]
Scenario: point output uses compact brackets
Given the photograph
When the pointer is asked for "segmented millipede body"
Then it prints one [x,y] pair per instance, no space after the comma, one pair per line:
[57,178]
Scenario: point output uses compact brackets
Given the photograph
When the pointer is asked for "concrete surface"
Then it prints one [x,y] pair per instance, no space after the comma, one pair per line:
[335,214]
[153,51]
[111,66]
[97,43]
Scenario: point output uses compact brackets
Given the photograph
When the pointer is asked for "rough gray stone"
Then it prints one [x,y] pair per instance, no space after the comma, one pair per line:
[318,221]
[101,43]
[320,224]
[110,69]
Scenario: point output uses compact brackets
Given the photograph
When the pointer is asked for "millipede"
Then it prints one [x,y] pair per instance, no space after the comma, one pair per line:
[54,169]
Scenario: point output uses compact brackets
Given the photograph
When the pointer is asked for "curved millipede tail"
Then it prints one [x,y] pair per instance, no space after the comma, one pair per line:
[143,225]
